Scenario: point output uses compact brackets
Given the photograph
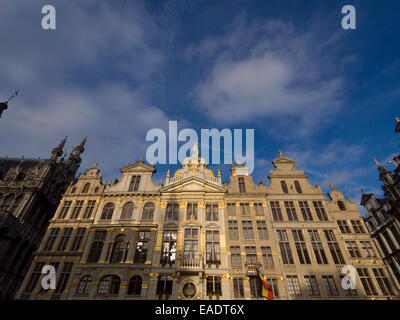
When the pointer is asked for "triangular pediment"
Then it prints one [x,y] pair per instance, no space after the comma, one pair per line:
[194,184]
[139,166]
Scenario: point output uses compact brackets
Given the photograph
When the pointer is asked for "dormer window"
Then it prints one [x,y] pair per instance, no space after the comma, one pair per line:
[86,188]
[341,205]
[297,186]
[134,185]
[284,187]
[242,186]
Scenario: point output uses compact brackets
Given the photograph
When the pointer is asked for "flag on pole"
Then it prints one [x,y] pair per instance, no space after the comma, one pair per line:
[266,289]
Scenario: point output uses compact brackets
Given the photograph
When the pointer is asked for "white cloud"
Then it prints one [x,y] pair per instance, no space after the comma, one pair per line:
[270,71]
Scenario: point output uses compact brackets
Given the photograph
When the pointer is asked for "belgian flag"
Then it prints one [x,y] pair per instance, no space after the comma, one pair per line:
[266,289]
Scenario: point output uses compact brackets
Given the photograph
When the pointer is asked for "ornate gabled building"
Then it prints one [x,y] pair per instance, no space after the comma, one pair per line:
[195,237]
[383,215]
[30,191]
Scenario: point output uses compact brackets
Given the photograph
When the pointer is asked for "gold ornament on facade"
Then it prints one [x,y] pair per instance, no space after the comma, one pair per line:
[222,205]
[163,204]
[237,203]
[264,204]
[201,204]
[183,204]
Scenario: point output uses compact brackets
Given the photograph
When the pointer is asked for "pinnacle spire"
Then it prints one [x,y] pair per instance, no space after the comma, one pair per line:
[58,151]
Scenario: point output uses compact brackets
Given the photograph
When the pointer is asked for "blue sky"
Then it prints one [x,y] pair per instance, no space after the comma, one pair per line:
[112,70]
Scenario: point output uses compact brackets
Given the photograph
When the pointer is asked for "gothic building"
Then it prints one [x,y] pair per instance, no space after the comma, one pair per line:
[30,190]
[383,215]
[194,237]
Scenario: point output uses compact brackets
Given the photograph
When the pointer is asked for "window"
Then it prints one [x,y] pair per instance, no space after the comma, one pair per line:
[242,186]
[97,246]
[382,246]
[353,249]
[291,211]
[267,257]
[297,186]
[233,230]
[164,286]
[276,211]
[343,226]
[293,284]
[238,287]
[84,285]
[245,209]
[168,254]
[357,226]
[86,188]
[231,208]
[247,229]
[127,211]
[108,211]
[255,287]
[348,292]
[284,246]
[148,211]
[395,234]
[77,209]
[301,247]
[135,286]
[16,204]
[305,211]
[258,209]
[236,259]
[172,212]
[211,212]
[317,247]
[142,245]
[366,281]
[330,286]
[119,249]
[50,240]
[191,243]
[78,239]
[73,190]
[64,209]
[96,190]
[334,247]
[134,185]
[311,285]
[212,247]
[284,187]
[320,210]
[36,273]
[89,209]
[341,205]
[214,286]
[64,239]
[64,276]
[383,282]
[389,241]
[251,256]
[394,269]
[191,211]
[262,230]
[109,285]
[367,249]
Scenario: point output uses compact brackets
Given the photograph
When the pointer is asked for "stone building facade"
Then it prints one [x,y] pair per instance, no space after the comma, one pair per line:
[30,191]
[383,215]
[194,237]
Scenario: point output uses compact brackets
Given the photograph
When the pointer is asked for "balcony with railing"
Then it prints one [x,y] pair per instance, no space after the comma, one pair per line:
[191,264]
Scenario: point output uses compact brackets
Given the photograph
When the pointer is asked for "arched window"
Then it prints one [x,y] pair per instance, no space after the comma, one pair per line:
[127,211]
[242,186]
[73,190]
[135,285]
[297,186]
[96,190]
[341,205]
[84,285]
[119,250]
[148,211]
[16,204]
[284,187]
[7,201]
[108,211]
[86,188]
[109,285]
